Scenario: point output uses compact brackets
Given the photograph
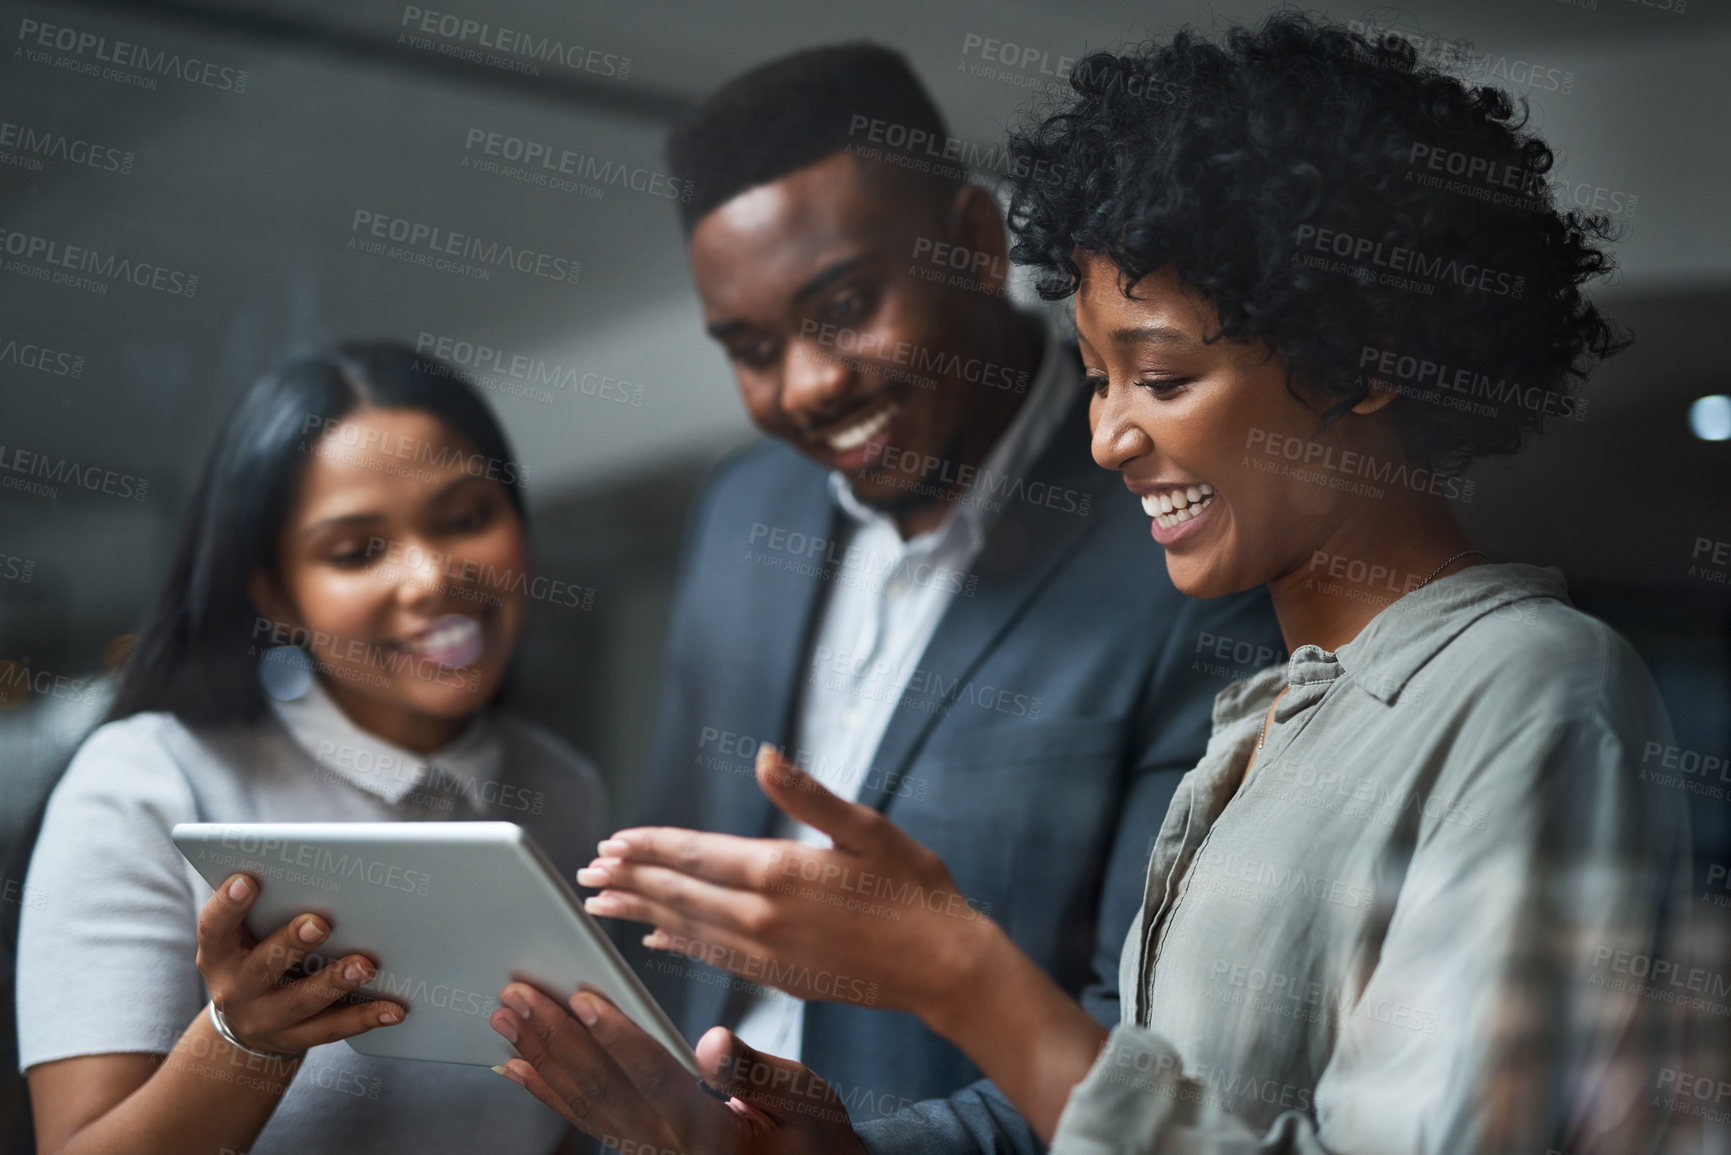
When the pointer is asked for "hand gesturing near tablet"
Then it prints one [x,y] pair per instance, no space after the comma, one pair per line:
[876,920]
[262,1007]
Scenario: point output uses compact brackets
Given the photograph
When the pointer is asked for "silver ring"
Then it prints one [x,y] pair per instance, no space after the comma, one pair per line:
[227,1033]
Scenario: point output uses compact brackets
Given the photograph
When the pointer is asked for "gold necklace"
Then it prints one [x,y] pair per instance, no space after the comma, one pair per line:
[1449,562]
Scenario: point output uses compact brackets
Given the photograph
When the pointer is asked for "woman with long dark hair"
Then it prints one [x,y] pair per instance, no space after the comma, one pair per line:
[1421,894]
[348,589]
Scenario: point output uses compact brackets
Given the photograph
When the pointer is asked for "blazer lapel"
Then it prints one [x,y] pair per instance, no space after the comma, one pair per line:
[780,607]
[1024,544]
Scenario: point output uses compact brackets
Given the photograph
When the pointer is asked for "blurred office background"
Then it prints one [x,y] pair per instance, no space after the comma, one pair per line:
[353,107]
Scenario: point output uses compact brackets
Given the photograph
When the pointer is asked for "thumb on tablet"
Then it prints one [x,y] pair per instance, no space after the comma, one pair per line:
[803,797]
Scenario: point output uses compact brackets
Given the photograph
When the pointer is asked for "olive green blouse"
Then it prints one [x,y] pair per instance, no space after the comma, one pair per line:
[1445,912]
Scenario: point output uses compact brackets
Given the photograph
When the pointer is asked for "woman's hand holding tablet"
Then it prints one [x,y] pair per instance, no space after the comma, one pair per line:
[258,1010]
[613,1081]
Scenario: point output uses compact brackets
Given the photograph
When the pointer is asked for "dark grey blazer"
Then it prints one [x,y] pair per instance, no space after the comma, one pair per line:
[1064,693]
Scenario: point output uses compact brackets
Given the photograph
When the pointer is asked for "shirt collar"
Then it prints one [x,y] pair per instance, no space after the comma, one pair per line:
[1415,628]
[1015,451]
[1397,643]
[343,750]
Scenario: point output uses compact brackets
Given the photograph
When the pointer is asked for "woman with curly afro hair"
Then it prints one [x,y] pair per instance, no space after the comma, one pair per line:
[1422,893]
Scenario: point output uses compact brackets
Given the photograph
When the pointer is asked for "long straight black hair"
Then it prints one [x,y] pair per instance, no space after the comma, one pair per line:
[197,658]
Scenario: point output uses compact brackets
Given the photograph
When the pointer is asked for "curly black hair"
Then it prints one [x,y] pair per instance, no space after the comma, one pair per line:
[1367,217]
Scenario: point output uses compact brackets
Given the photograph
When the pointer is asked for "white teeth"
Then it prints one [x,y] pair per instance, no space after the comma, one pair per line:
[1178,507]
[453,640]
[855,436]
[443,637]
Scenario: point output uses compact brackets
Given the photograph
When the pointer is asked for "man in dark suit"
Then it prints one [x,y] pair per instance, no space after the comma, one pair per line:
[922,587]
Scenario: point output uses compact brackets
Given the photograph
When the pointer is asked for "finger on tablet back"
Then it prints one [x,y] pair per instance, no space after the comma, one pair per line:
[573,1066]
[658,1077]
[221,922]
[286,947]
[519,1071]
[345,1021]
[307,996]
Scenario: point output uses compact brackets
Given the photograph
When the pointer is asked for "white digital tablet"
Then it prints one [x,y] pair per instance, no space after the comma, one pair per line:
[449,911]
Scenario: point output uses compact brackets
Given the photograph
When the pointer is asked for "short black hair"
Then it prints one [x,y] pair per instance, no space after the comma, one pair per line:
[1288,172]
[796,110]
[196,657]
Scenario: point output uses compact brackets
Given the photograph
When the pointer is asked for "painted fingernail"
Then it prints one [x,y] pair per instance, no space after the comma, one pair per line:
[506,1025]
[513,998]
[239,888]
[612,847]
[601,904]
[593,876]
[390,1015]
[587,1011]
[311,931]
[508,1073]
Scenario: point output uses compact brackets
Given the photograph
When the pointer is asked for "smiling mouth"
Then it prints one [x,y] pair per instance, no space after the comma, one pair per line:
[1174,507]
[452,641]
[853,436]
